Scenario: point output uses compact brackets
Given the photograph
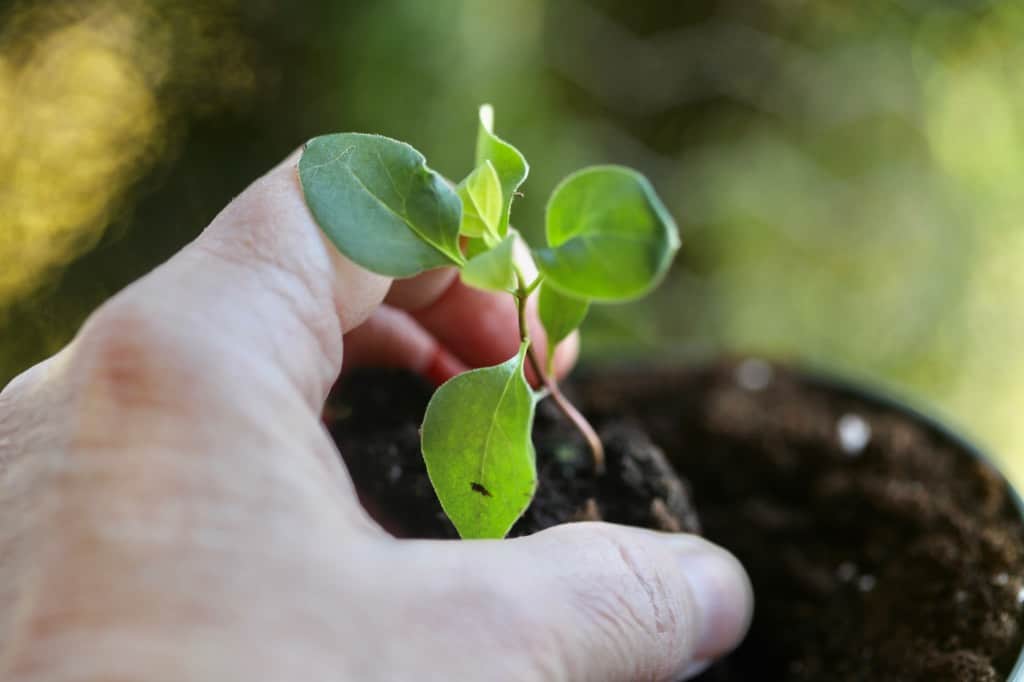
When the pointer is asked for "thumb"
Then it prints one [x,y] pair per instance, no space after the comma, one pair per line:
[598,601]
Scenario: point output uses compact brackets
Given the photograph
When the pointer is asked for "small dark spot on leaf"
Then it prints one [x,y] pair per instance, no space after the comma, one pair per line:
[478,488]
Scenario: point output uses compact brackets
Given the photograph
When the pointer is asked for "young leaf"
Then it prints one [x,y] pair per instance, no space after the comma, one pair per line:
[481,202]
[609,236]
[476,444]
[560,314]
[474,246]
[493,269]
[377,201]
[510,165]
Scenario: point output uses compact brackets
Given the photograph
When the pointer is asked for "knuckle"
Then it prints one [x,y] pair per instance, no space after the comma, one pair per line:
[123,358]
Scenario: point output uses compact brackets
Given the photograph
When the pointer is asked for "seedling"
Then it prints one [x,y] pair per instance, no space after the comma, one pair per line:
[609,239]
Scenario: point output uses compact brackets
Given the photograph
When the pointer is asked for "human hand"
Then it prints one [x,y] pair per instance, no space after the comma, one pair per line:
[173,509]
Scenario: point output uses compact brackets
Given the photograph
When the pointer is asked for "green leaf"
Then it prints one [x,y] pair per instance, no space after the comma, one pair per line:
[510,165]
[560,314]
[474,246]
[377,201]
[477,447]
[493,269]
[609,236]
[481,202]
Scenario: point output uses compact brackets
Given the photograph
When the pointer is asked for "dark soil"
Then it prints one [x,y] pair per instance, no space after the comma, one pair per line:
[879,550]
[379,434]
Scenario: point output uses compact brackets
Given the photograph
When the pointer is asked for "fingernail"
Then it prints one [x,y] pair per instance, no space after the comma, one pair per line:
[723,597]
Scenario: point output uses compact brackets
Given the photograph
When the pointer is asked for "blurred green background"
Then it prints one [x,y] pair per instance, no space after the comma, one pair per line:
[846,173]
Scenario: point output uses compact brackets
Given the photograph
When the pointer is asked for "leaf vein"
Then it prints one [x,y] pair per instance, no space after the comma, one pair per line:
[398,215]
[493,424]
[334,159]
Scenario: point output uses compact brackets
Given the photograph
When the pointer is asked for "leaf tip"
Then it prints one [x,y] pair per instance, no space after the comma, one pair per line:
[487,117]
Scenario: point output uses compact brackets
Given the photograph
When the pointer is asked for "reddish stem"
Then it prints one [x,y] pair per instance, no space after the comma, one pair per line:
[570,411]
[567,408]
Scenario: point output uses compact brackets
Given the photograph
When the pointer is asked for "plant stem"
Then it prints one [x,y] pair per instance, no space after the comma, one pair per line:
[521,294]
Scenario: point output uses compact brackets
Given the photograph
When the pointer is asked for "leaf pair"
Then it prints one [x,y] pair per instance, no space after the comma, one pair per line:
[488,191]
[609,236]
[487,195]
[609,239]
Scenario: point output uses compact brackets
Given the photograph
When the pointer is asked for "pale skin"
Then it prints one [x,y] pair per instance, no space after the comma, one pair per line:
[171,507]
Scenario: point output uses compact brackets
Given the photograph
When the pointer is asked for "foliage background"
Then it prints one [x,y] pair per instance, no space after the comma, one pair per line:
[846,173]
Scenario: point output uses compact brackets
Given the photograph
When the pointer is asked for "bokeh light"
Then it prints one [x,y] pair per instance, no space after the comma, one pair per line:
[80,121]
[846,173]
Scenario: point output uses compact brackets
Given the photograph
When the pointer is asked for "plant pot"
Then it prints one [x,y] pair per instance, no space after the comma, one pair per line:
[881,545]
